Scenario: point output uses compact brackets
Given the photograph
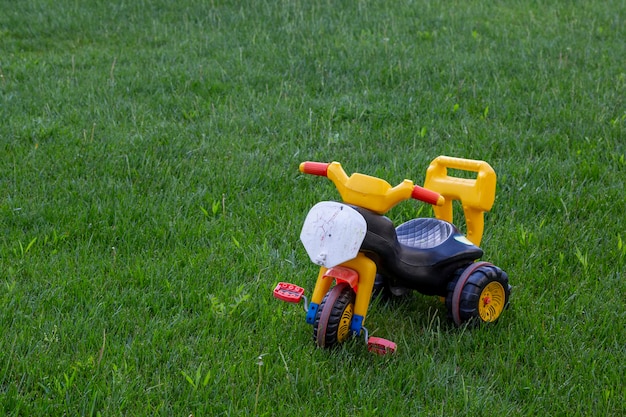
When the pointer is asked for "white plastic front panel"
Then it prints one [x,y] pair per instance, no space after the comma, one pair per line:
[332,233]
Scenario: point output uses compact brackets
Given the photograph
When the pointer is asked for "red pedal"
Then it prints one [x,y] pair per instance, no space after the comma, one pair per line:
[380,346]
[290,293]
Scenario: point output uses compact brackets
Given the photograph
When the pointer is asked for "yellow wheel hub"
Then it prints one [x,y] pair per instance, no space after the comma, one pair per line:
[344,324]
[491,301]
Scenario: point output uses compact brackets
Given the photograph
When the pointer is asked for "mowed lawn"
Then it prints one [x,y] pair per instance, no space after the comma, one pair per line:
[150,201]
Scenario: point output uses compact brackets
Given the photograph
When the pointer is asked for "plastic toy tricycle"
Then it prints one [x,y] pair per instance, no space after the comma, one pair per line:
[359,250]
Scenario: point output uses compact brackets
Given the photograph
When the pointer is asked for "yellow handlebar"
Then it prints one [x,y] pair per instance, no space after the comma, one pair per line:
[369,192]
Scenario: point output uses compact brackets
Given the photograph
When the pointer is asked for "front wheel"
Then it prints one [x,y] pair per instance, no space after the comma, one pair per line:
[479,293]
[333,317]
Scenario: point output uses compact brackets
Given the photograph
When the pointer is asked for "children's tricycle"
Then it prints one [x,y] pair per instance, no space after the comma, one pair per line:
[360,251]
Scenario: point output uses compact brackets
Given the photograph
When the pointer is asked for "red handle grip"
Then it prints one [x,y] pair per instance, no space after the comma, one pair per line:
[314,168]
[427,196]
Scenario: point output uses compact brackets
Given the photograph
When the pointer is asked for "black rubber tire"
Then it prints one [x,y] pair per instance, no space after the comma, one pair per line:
[465,303]
[333,317]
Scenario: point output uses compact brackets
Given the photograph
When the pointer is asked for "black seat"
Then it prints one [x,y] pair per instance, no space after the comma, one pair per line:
[424,233]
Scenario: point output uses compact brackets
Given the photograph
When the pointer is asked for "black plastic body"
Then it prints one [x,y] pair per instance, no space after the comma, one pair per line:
[422,254]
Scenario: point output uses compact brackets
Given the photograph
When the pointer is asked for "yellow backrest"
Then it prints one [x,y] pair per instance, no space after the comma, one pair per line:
[476,195]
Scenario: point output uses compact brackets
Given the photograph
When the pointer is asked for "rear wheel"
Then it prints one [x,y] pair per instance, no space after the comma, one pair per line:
[334,315]
[479,293]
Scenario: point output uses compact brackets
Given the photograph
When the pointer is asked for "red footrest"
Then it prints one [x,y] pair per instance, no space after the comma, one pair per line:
[290,293]
[380,346]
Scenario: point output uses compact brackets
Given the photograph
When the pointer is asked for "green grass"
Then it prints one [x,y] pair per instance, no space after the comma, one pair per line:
[150,201]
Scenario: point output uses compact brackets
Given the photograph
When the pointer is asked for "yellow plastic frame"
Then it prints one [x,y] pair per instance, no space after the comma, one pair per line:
[366,269]
[476,195]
